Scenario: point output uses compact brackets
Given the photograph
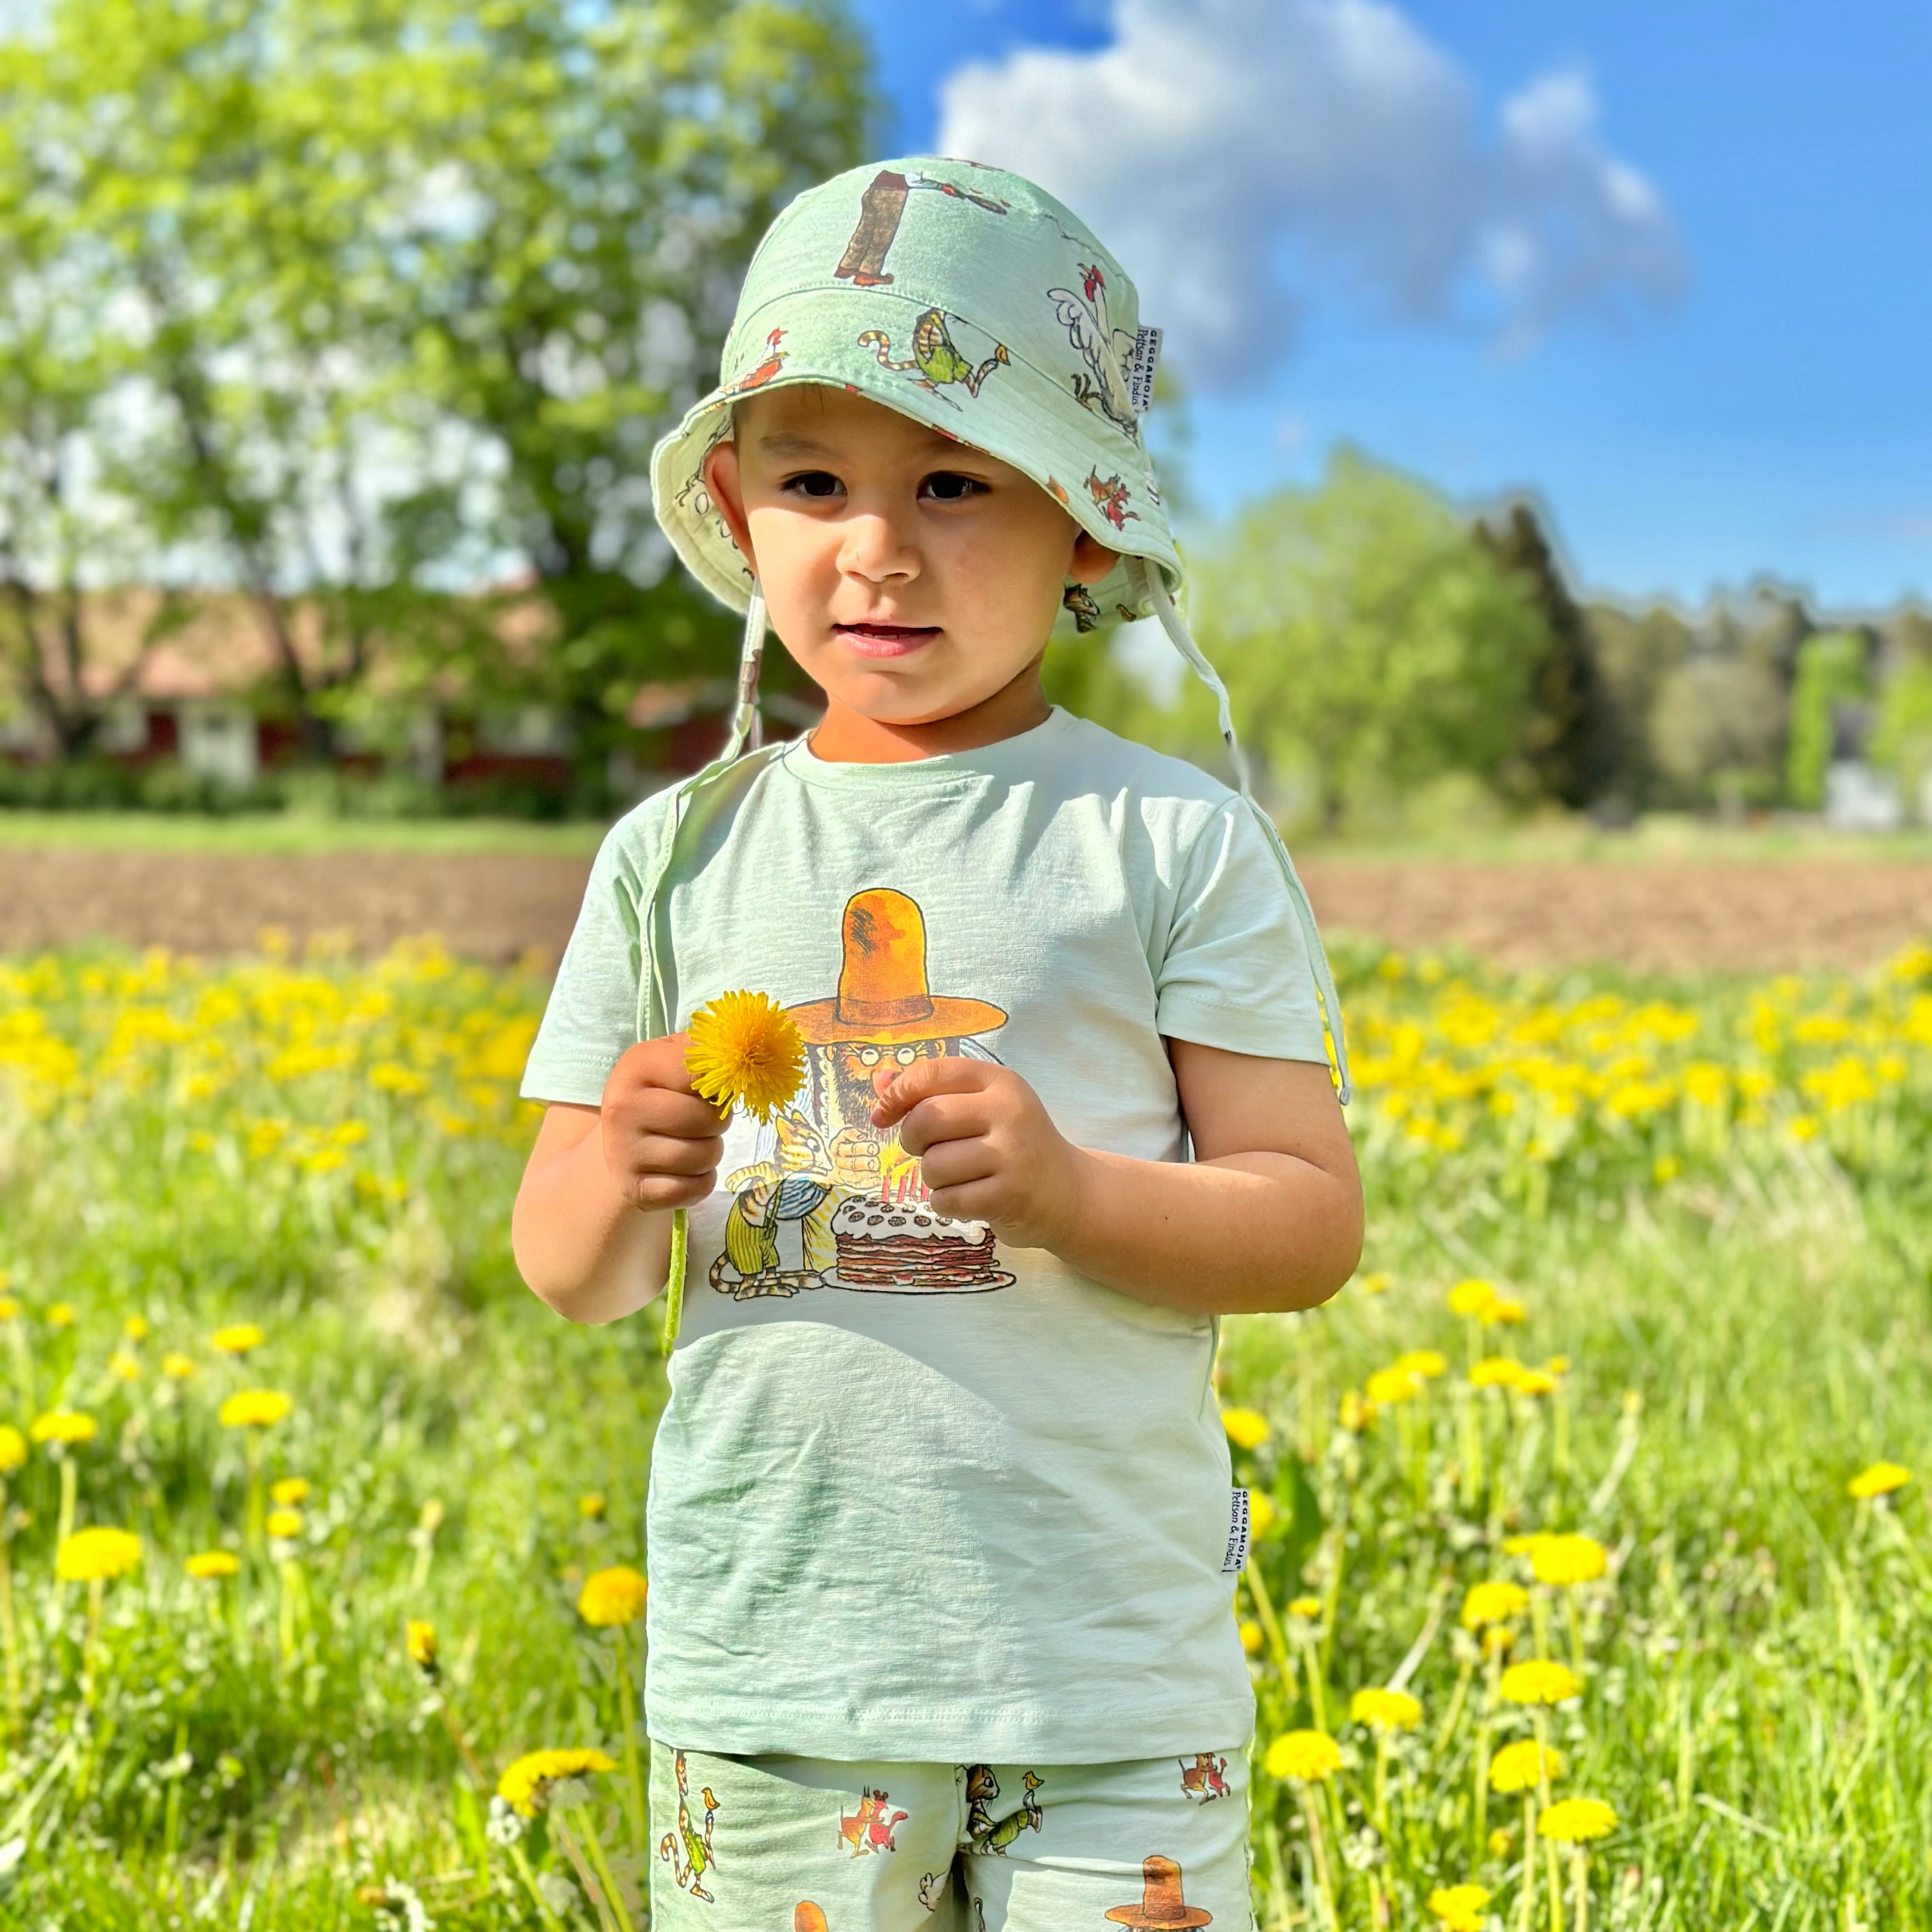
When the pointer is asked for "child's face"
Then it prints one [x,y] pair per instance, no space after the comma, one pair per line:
[911,577]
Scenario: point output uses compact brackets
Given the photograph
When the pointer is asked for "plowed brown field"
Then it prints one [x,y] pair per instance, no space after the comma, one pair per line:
[1753,916]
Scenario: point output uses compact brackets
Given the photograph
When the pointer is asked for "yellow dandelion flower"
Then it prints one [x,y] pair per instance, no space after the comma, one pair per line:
[176,1366]
[522,1785]
[1880,1479]
[123,1366]
[1374,1284]
[136,1327]
[237,1338]
[9,1307]
[1496,1371]
[1534,1382]
[1262,1512]
[1471,1297]
[421,1641]
[1247,1428]
[1537,1680]
[1389,1386]
[745,1050]
[1557,1365]
[1384,1710]
[1566,1560]
[1496,1640]
[1523,1766]
[1311,1756]
[254,1408]
[289,1491]
[1574,1821]
[1493,1604]
[1499,1842]
[1308,1607]
[613,1596]
[211,1565]
[64,1426]
[285,1522]
[61,1315]
[1356,1412]
[1426,1363]
[90,1553]
[1251,1636]
[1459,1907]
[591,1507]
[1503,1313]
[13,1449]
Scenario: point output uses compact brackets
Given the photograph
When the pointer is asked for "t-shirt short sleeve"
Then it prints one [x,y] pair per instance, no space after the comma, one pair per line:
[1236,974]
[592,1018]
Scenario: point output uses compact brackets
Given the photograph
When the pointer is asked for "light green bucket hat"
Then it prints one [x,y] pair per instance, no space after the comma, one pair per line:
[969,299]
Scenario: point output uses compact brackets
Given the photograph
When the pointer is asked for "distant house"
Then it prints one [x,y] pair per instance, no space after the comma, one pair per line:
[207,698]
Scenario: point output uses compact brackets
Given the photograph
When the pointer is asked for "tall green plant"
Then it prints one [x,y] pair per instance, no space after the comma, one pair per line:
[1831,671]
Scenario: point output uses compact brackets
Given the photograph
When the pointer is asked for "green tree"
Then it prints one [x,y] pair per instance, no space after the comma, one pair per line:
[1366,635]
[1831,671]
[405,290]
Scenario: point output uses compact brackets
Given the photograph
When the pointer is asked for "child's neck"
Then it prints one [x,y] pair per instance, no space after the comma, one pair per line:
[846,736]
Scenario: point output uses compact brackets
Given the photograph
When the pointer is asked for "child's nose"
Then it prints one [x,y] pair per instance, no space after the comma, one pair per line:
[878,549]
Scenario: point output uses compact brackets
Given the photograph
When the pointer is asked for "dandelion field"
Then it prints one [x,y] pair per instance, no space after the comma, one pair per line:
[318,1529]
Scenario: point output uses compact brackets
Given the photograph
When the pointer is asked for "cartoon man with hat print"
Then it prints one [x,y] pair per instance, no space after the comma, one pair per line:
[823,1149]
[1162,1908]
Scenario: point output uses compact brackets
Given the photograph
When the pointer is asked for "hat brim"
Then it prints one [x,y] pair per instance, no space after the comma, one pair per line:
[819,1024]
[1020,414]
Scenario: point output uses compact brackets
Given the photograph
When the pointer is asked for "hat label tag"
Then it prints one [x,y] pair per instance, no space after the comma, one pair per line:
[1237,1557]
[1140,369]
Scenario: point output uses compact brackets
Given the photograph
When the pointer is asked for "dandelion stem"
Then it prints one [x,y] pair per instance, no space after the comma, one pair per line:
[1456,1699]
[1526,1912]
[1575,1623]
[9,1630]
[633,1775]
[593,1891]
[595,1845]
[255,1510]
[1381,1781]
[96,1588]
[1270,1624]
[673,1292]
[521,1859]
[1580,1870]
[1319,1851]
[70,1478]
[1556,1886]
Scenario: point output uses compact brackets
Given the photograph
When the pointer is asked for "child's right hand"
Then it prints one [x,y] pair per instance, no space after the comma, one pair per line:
[661,1143]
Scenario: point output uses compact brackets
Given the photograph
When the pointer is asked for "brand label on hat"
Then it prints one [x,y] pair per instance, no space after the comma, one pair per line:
[1237,1557]
[1140,369]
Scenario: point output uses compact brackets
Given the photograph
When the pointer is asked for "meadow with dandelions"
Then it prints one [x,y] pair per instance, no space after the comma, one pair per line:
[1589,1583]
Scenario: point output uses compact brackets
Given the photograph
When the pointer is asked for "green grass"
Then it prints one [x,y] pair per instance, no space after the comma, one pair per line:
[330,1150]
[1554,839]
[277,832]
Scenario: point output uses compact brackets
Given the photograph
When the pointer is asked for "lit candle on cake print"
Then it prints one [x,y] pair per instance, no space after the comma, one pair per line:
[846,1193]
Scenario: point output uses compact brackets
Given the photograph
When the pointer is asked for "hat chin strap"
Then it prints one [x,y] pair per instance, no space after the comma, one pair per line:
[747,732]
[1146,575]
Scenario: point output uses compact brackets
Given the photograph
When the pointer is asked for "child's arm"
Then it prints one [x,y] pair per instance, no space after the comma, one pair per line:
[591,1228]
[1268,1215]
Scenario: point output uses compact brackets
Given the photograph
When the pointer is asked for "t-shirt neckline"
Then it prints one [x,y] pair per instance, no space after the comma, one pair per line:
[1002,758]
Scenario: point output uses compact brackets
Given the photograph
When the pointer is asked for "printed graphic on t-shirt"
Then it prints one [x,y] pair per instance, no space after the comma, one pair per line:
[829,1200]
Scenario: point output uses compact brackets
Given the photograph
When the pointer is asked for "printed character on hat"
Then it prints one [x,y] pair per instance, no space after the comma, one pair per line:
[828,1200]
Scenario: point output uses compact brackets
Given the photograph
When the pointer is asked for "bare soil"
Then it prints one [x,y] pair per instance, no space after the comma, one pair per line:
[1670,916]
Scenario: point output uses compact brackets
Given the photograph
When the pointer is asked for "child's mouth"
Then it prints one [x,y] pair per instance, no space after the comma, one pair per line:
[886,640]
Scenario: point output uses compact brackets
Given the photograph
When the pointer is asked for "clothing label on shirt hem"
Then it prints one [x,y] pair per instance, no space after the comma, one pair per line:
[1237,1557]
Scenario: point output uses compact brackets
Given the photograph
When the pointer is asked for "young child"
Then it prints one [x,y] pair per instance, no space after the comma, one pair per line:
[942,1545]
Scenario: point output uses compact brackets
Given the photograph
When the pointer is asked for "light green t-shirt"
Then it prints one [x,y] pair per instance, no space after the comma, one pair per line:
[918,1495]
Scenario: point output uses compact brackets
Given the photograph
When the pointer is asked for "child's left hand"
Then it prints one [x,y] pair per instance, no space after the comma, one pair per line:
[987,1148]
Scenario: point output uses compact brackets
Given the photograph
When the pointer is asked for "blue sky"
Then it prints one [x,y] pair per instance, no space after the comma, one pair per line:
[1720,363]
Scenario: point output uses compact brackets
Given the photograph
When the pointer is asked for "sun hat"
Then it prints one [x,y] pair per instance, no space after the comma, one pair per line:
[968,299]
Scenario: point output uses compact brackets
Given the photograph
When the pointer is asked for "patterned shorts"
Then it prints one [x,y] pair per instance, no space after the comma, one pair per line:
[799,1844]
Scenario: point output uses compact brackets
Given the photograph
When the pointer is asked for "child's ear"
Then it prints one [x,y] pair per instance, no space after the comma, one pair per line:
[722,480]
[1092,559]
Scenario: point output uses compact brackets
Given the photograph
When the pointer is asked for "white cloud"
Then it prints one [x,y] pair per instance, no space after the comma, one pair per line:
[1233,153]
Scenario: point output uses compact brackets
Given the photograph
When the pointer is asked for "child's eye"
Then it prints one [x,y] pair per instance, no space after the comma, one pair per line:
[812,483]
[948,486]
